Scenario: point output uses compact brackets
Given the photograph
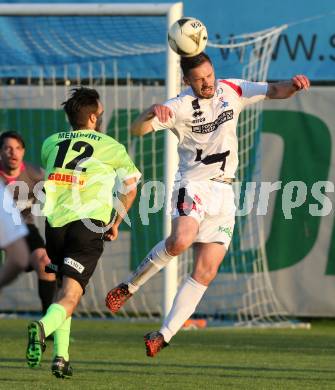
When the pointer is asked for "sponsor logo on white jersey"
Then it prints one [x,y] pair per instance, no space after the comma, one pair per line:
[199,120]
[224,102]
[225,116]
[74,264]
[197,113]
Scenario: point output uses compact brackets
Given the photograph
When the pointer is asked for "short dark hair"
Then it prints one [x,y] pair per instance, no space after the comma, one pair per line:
[188,63]
[11,134]
[82,103]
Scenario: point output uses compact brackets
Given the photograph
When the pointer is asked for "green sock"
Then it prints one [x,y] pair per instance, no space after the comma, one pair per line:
[62,340]
[56,315]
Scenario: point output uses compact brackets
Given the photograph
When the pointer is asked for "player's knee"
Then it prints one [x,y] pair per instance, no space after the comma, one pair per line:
[39,259]
[205,276]
[177,245]
[40,268]
[44,260]
[39,256]
[72,301]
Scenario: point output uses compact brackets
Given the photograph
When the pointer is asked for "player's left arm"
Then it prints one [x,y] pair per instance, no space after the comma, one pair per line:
[127,199]
[286,89]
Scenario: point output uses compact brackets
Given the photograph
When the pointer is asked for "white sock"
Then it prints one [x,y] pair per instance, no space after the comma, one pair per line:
[184,305]
[156,259]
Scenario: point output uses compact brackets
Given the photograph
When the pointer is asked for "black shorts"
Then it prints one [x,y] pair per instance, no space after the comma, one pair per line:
[34,241]
[75,249]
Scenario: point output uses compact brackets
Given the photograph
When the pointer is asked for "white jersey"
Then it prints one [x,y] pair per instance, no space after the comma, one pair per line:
[206,128]
[11,226]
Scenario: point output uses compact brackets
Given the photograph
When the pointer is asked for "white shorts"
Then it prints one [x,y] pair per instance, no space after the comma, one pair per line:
[211,204]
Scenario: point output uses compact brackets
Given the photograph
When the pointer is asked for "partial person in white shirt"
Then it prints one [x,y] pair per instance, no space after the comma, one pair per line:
[12,233]
[204,118]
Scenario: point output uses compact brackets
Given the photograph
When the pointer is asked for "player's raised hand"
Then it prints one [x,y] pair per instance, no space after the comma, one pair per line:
[162,112]
[300,82]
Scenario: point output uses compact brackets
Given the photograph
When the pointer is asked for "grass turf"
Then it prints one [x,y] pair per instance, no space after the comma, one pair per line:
[110,355]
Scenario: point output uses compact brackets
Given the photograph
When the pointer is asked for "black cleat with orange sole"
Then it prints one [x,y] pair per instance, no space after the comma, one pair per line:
[117,297]
[154,342]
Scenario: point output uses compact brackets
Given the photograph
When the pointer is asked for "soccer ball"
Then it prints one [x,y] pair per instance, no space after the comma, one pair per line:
[188,37]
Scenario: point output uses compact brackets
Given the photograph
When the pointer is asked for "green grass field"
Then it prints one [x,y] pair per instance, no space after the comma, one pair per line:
[110,355]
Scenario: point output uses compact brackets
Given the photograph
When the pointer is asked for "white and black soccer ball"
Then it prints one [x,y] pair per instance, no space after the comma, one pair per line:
[188,37]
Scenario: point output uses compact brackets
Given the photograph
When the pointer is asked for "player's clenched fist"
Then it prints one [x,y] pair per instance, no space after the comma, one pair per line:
[162,112]
[300,82]
[112,233]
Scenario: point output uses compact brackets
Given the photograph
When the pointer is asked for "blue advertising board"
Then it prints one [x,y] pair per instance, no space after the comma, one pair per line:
[306,46]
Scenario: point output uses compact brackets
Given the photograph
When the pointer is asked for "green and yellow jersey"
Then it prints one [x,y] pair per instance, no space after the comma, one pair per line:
[81,167]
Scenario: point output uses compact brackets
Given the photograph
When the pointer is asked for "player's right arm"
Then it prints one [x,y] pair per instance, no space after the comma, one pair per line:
[143,124]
